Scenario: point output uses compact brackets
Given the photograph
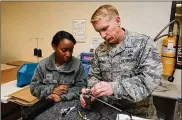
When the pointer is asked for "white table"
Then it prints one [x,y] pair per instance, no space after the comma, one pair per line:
[7,89]
[172,93]
[126,117]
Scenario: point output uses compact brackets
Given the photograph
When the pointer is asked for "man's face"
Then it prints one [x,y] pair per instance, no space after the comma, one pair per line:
[108,28]
[64,50]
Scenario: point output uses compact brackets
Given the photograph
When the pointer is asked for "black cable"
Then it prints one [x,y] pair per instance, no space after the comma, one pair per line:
[163,86]
[160,37]
[178,28]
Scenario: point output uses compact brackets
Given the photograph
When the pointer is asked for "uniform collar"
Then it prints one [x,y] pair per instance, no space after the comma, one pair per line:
[51,65]
[120,47]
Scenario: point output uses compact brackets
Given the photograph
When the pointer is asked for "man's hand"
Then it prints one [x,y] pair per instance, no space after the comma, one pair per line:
[102,89]
[54,97]
[82,101]
[62,89]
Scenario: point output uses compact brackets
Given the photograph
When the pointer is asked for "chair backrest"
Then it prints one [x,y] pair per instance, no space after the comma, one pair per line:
[86,68]
[86,59]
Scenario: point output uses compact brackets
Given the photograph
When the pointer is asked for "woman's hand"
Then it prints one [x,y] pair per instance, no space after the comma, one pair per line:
[62,89]
[54,97]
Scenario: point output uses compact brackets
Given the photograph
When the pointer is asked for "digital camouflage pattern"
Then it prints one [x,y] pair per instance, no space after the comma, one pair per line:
[134,70]
[47,77]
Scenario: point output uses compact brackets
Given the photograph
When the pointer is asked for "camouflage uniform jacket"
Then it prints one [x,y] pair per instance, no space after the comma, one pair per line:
[133,68]
[47,77]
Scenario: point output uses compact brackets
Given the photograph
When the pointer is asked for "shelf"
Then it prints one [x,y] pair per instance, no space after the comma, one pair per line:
[178,15]
[178,5]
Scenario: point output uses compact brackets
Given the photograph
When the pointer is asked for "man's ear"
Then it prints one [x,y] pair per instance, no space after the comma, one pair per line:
[118,20]
[53,46]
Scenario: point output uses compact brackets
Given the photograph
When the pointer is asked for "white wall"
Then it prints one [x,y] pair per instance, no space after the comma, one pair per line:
[21,21]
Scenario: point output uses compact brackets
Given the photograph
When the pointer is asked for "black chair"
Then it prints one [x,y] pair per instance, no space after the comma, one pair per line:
[31,112]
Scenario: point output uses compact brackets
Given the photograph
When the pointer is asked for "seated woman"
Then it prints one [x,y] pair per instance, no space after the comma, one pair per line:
[60,76]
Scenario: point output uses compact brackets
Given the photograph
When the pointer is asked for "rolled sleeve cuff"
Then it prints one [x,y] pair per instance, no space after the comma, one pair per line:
[51,89]
[68,96]
[118,90]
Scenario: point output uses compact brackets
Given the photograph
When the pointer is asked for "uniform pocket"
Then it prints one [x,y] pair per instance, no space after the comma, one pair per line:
[47,81]
[105,67]
[104,64]
[70,83]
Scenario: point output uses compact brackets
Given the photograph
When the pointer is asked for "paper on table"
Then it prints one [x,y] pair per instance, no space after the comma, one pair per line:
[126,117]
[8,88]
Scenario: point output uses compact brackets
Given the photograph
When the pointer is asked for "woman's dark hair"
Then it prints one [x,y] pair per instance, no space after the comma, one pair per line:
[62,35]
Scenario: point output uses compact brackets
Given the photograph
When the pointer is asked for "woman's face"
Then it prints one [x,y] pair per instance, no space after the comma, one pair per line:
[64,50]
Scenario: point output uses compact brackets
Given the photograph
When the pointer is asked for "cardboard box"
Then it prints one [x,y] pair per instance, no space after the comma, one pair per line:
[9,75]
[23,97]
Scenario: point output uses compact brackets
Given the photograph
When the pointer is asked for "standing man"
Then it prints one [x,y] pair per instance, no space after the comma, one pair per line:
[126,67]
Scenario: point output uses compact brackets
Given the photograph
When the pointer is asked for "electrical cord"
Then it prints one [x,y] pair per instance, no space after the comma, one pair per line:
[162,90]
[122,111]
[113,107]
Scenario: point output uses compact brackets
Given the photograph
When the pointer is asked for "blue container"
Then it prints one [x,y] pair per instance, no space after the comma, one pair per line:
[25,74]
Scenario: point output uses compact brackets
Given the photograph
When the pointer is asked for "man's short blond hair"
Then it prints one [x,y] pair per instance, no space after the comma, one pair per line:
[103,11]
